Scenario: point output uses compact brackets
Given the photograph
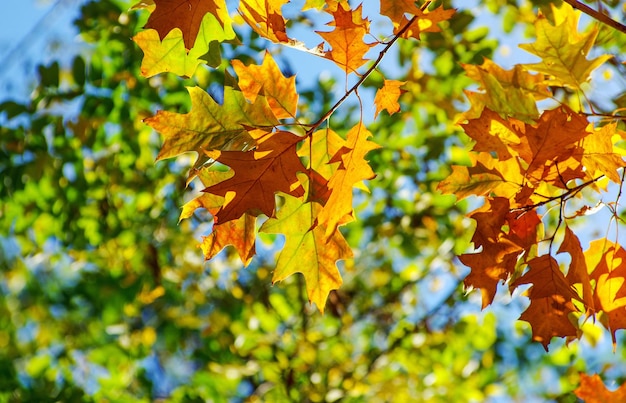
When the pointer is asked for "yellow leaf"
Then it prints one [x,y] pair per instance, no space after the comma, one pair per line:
[307,250]
[387,97]
[563,51]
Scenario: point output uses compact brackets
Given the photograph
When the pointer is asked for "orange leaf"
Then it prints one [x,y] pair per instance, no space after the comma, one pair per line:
[577,273]
[259,173]
[427,21]
[593,390]
[268,80]
[547,280]
[265,17]
[548,317]
[396,10]
[353,168]
[387,97]
[498,257]
[553,138]
[240,233]
[346,40]
[186,15]
[609,274]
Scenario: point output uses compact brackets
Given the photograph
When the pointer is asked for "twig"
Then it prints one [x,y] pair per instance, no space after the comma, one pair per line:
[597,15]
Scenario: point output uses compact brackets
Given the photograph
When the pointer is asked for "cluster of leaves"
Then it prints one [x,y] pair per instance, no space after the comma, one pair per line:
[526,162]
[310,166]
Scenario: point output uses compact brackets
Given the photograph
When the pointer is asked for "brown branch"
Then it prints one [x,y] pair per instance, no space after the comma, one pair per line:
[564,196]
[597,15]
[369,71]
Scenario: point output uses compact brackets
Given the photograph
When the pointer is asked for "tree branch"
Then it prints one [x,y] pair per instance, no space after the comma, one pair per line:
[597,15]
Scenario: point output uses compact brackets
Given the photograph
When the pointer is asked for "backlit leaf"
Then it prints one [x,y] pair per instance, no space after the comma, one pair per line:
[307,249]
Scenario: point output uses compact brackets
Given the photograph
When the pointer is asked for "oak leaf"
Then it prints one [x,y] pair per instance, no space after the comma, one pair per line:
[353,168]
[578,272]
[307,249]
[593,390]
[240,233]
[346,40]
[609,274]
[271,167]
[549,317]
[169,53]
[498,256]
[599,156]
[554,138]
[426,21]
[318,149]
[563,51]
[509,93]
[486,176]
[387,97]
[187,16]
[267,80]
[265,18]
[210,126]
[550,300]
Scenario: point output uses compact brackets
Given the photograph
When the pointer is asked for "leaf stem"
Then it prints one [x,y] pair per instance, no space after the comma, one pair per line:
[597,15]
[369,71]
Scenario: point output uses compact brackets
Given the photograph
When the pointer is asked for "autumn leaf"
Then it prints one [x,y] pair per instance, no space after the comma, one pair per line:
[186,15]
[396,10]
[553,138]
[609,273]
[307,250]
[593,390]
[346,40]
[493,134]
[169,52]
[496,261]
[550,300]
[318,149]
[353,168]
[563,51]
[578,272]
[267,80]
[211,126]
[547,279]
[240,233]
[265,18]
[509,93]
[598,154]
[487,176]
[207,201]
[387,97]
[549,317]
[425,20]
[271,167]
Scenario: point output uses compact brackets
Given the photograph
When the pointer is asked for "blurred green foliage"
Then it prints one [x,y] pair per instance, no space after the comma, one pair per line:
[104,295]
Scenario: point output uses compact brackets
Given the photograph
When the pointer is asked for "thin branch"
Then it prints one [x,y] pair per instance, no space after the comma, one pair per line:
[369,71]
[597,15]
[571,192]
